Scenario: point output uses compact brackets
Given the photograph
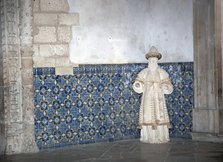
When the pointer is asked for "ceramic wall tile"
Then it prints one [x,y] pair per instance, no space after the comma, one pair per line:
[97,103]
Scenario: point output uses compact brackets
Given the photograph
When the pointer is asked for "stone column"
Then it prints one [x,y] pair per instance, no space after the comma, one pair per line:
[2,110]
[207,70]
[51,28]
[26,50]
[12,76]
[18,126]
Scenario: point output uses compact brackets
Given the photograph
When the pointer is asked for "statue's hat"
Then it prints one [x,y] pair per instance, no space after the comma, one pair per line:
[153,52]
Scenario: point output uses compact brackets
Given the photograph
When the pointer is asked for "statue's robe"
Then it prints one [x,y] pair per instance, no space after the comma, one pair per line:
[153,116]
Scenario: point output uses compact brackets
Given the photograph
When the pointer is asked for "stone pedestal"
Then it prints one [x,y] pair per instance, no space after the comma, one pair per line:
[207,123]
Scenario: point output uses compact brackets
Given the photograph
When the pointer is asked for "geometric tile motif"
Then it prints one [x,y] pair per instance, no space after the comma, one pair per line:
[181,102]
[98,103]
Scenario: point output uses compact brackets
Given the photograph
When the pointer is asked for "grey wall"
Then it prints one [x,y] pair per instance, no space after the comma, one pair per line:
[2,113]
[122,31]
[221,108]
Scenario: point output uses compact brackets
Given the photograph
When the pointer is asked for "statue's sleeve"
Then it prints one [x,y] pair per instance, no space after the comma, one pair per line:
[166,83]
[138,85]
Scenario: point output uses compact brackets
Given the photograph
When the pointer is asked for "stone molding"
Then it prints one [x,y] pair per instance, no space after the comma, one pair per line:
[12,77]
[16,29]
[26,50]
[208,137]
[2,108]
[25,16]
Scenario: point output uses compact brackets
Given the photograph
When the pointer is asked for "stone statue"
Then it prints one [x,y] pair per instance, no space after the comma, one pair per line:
[153,82]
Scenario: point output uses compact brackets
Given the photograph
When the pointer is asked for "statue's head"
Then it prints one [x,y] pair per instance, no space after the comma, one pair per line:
[153,53]
[153,56]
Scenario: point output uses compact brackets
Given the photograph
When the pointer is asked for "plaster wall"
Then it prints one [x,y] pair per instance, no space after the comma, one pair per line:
[122,31]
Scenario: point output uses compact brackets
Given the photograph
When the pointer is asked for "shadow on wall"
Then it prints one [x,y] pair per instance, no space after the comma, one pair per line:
[97,103]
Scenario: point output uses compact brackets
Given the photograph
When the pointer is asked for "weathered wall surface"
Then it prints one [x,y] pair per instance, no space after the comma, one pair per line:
[26,52]
[52,34]
[12,76]
[221,107]
[207,117]
[2,113]
[122,31]
[16,105]
[2,116]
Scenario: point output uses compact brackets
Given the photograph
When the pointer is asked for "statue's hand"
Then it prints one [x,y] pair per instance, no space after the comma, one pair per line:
[137,85]
[165,87]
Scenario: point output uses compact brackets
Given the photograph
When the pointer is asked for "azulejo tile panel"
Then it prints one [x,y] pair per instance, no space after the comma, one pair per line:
[98,103]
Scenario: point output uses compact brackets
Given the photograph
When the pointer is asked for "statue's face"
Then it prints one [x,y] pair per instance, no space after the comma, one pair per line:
[153,61]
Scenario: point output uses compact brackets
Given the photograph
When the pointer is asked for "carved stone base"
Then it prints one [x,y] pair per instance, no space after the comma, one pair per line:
[2,139]
[208,137]
[29,144]
[205,120]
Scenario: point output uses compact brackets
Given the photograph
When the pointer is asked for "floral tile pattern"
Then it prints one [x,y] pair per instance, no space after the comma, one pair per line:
[97,103]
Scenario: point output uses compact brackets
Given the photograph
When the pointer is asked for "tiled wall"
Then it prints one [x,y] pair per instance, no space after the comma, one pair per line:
[98,103]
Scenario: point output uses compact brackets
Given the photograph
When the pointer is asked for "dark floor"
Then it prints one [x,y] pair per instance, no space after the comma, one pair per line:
[177,150]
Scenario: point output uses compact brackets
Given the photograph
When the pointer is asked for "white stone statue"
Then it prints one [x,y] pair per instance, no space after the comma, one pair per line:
[153,82]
